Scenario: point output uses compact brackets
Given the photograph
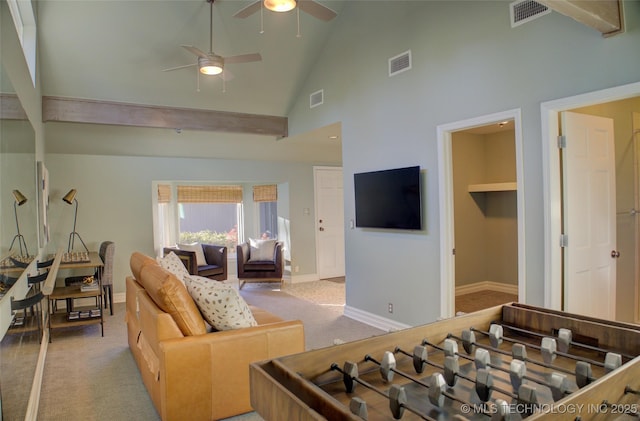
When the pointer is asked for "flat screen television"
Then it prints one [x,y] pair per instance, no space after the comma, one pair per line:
[389,199]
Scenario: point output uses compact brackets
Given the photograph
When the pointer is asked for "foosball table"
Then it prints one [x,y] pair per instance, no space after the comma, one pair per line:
[508,362]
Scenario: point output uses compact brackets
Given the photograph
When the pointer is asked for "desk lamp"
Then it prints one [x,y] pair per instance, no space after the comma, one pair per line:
[70,198]
[20,200]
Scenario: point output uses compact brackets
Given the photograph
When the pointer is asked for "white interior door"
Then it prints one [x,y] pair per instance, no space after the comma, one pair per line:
[589,215]
[329,222]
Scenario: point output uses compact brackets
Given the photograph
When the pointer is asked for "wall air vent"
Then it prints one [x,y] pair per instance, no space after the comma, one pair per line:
[523,11]
[400,63]
[316,98]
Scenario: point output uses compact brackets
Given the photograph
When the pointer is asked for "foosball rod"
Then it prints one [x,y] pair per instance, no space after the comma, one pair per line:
[548,347]
[469,343]
[420,359]
[468,339]
[397,396]
[564,339]
[582,372]
[517,373]
[450,372]
[451,369]
[388,365]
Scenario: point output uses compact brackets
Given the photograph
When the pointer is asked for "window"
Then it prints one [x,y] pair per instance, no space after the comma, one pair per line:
[210,223]
[25,24]
[268,215]
[215,214]
[210,214]
[266,199]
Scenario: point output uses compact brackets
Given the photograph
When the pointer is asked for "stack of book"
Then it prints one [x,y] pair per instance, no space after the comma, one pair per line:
[83,314]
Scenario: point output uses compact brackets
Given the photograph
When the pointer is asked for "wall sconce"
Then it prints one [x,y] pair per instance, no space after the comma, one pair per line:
[19,201]
[70,198]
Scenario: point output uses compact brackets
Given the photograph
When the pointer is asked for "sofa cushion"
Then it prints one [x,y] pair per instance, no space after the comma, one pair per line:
[197,248]
[259,266]
[210,270]
[138,261]
[220,304]
[261,250]
[173,264]
[172,297]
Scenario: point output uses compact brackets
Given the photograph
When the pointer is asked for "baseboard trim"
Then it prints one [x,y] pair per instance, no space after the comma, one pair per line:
[298,279]
[373,319]
[487,286]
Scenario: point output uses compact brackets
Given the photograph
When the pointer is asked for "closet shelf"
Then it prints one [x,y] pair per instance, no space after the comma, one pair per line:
[490,187]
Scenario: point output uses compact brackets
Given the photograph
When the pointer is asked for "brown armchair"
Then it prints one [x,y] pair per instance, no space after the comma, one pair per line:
[259,270]
[215,256]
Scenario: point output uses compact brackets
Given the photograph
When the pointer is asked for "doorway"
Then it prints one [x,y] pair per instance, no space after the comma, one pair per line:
[589,214]
[485,216]
[494,196]
[595,103]
[329,199]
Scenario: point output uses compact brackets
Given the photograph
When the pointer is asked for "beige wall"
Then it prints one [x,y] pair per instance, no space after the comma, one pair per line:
[626,189]
[486,226]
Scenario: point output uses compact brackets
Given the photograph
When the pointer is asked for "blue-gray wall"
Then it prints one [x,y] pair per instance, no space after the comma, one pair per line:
[467,62]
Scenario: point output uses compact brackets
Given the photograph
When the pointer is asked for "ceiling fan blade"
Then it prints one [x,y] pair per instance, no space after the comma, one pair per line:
[316,10]
[227,75]
[180,67]
[244,58]
[195,50]
[248,11]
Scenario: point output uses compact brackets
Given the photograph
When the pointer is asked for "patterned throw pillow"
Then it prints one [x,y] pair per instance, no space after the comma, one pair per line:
[173,264]
[261,250]
[221,305]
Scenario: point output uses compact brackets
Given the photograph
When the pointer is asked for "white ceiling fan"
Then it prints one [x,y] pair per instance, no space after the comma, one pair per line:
[311,7]
[211,63]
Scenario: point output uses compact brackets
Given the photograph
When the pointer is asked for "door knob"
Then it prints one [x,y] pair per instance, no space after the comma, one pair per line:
[615,254]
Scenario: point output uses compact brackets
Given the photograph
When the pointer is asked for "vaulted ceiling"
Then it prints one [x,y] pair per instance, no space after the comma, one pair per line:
[117,50]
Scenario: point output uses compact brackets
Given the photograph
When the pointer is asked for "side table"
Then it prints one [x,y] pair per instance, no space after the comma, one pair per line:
[85,315]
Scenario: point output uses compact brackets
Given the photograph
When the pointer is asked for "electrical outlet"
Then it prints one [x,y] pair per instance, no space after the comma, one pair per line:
[390,307]
[296,269]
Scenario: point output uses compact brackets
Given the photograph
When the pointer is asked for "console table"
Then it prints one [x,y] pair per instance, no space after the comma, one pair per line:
[74,292]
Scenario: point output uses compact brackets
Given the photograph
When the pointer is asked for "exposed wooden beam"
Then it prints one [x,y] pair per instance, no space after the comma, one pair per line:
[115,113]
[10,108]
[602,15]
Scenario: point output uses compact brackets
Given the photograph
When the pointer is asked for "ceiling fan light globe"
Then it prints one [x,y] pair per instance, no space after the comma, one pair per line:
[280,5]
[210,70]
[211,65]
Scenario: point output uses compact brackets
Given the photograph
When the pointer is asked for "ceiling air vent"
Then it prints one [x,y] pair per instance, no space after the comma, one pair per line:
[523,11]
[400,63]
[316,98]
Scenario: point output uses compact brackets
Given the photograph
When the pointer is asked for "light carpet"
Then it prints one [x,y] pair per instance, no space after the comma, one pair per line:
[88,377]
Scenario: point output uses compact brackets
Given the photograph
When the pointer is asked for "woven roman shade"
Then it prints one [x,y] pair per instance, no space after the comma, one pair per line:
[266,193]
[209,194]
[164,193]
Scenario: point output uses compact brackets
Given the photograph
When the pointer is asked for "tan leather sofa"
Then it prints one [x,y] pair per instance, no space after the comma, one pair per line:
[201,374]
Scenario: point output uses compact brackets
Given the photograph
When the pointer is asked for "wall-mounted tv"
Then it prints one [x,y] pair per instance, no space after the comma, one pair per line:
[389,199]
